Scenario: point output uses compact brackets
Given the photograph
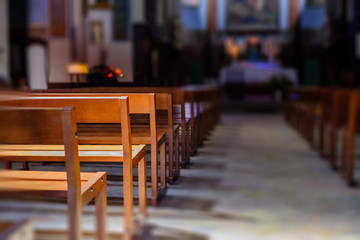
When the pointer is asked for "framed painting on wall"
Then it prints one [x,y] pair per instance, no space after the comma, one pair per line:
[252,15]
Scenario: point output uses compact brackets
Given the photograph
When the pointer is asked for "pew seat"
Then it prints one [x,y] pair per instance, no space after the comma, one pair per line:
[49,183]
[55,153]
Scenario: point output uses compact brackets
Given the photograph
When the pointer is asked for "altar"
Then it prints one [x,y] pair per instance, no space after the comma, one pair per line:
[256,73]
[262,80]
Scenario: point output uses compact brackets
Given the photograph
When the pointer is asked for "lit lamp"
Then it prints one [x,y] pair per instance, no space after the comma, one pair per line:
[76,71]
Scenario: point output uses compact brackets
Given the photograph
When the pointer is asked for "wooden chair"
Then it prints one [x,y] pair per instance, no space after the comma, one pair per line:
[29,127]
[93,110]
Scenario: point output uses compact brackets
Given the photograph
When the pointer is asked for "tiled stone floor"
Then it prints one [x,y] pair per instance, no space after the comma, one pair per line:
[253,179]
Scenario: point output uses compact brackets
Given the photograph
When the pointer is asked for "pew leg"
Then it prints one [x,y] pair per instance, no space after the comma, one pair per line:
[142,186]
[311,132]
[197,138]
[183,146]
[304,127]
[344,153]
[74,216]
[193,138]
[171,157]
[321,138]
[333,147]
[188,144]
[327,142]
[25,165]
[101,213]
[307,128]
[163,165]
[154,174]
[349,166]
[350,140]
[177,166]
[8,165]
[128,197]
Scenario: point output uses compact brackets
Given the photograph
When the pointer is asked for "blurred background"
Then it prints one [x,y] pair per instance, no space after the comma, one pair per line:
[254,177]
[253,49]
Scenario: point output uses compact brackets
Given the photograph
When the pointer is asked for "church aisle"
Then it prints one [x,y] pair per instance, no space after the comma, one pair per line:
[254,178]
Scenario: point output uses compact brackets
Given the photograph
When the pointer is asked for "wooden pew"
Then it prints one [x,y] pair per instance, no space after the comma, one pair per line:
[303,108]
[188,107]
[202,103]
[349,133]
[93,110]
[20,127]
[325,112]
[338,111]
[105,133]
[296,105]
[178,98]
[335,108]
[164,119]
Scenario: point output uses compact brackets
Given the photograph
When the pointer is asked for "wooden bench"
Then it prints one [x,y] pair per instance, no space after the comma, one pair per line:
[339,110]
[202,105]
[93,110]
[26,127]
[338,114]
[178,100]
[330,106]
[187,106]
[302,109]
[334,117]
[351,128]
[105,133]
[164,122]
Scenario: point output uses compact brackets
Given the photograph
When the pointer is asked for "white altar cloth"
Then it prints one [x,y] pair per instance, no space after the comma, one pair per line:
[258,73]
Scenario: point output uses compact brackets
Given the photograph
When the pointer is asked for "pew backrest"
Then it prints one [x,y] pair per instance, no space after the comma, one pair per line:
[44,126]
[88,110]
